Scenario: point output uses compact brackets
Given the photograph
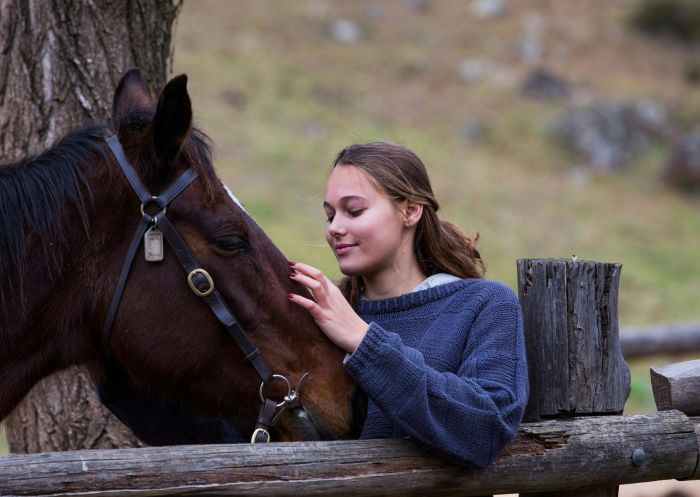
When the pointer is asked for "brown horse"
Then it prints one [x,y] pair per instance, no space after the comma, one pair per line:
[67,217]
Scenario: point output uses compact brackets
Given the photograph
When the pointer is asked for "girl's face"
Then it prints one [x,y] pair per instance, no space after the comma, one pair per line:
[365,228]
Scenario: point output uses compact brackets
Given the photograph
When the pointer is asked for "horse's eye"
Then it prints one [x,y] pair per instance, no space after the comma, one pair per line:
[231,244]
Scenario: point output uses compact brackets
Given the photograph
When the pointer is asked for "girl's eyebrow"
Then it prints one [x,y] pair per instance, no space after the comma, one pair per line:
[344,200]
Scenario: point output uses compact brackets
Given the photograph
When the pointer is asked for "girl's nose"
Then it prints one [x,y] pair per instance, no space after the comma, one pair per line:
[335,228]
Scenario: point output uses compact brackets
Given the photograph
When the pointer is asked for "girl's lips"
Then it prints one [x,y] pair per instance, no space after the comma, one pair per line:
[343,249]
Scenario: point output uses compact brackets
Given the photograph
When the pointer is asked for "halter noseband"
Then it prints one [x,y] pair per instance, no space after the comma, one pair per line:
[200,282]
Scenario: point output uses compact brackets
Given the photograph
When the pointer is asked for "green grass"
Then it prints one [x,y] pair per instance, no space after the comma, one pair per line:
[4,450]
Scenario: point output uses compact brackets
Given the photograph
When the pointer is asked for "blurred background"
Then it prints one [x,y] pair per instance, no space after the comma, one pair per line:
[550,128]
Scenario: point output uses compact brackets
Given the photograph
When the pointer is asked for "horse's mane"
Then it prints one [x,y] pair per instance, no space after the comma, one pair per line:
[198,153]
[33,194]
[39,192]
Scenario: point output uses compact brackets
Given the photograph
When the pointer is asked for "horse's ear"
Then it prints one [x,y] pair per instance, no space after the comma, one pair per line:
[132,94]
[173,119]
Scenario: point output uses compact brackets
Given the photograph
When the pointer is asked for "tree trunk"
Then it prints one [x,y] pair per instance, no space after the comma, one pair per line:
[60,61]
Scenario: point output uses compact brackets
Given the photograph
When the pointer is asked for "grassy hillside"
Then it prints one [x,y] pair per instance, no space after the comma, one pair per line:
[280,97]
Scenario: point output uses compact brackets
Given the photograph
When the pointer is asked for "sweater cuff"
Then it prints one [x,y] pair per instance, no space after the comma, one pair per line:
[366,351]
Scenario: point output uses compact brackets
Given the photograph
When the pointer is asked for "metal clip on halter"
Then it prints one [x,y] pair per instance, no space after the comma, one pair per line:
[270,412]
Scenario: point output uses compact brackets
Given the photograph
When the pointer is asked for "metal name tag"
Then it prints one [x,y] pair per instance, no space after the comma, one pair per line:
[153,245]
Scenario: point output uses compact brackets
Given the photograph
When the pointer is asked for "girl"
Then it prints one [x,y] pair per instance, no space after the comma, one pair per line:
[438,350]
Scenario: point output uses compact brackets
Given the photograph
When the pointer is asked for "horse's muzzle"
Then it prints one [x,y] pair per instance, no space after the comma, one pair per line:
[301,426]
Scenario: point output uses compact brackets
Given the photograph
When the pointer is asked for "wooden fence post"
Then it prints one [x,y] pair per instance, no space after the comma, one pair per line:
[572,339]
[677,386]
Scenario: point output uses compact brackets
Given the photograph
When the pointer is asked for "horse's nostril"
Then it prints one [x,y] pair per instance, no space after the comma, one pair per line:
[301,426]
[359,412]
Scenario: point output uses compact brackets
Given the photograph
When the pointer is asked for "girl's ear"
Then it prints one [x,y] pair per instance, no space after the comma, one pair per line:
[412,212]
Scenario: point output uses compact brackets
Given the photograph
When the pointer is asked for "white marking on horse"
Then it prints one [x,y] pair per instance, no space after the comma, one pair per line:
[234,198]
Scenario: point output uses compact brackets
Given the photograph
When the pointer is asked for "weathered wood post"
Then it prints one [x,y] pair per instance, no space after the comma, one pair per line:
[677,386]
[572,339]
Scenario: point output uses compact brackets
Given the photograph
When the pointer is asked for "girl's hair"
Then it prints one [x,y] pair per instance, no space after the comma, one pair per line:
[440,246]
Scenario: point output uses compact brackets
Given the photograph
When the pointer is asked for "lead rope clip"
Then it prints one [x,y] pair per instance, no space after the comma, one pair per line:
[290,401]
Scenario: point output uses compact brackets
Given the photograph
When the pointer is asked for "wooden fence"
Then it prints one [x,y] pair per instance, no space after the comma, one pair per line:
[660,339]
[546,456]
[574,441]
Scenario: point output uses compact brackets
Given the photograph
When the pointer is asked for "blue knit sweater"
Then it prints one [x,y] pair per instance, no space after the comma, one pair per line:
[445,366]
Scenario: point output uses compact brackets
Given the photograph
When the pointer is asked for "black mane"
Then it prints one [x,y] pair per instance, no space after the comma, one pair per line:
[33,194]
[37,194]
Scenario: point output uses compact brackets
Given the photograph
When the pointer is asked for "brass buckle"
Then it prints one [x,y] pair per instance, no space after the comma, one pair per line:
[264,432]
[194,288]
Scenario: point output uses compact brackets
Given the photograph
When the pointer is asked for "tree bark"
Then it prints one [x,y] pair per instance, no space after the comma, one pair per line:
[60,61]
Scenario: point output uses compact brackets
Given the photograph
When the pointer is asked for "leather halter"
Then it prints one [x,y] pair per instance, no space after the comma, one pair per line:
[200,283]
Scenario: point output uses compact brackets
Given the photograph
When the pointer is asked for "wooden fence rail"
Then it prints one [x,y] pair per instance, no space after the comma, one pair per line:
[557,455]
[660,339]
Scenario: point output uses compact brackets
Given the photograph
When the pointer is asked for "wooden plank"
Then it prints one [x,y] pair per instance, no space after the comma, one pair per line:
[696,473]
[584,492]
[677,386]
[660,339]
[551,456]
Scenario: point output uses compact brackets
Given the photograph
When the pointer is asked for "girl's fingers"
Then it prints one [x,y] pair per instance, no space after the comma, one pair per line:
[310,271]
[307,281]
[307,304]
[316,288]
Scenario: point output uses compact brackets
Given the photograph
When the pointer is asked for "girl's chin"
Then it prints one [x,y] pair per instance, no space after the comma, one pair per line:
[349,269]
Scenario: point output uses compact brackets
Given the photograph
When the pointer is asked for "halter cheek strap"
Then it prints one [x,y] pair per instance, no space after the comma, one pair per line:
[199,280]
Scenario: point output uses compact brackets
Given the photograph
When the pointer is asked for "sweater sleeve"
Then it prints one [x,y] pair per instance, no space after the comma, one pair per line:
[465,417]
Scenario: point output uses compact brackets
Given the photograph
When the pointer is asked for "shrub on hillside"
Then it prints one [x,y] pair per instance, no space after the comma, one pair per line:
[683,170]
[677,19]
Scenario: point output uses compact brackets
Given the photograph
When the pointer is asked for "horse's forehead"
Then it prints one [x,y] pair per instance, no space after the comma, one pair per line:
[233,197]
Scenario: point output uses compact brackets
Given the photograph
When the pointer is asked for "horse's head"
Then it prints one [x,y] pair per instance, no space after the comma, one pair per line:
[165,337]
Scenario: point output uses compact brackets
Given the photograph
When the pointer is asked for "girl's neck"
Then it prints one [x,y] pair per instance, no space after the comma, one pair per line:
[392,281]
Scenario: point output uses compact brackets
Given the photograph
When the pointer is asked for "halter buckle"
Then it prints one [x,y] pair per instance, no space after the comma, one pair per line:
[193,287]
[260,431]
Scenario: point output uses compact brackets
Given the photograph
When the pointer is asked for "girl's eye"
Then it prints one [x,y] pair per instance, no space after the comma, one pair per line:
[356,212]
[329,219]
[231,244]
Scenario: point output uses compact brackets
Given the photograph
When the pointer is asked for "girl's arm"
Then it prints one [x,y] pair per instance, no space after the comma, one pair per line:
[465,417]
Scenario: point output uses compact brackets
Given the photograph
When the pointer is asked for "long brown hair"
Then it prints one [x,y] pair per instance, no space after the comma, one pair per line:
[440,246]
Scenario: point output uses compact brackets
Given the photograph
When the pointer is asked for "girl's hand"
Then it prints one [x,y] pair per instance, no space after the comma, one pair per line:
[330,310]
